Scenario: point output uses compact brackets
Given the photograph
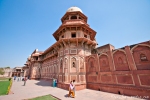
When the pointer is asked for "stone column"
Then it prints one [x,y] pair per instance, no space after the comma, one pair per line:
[132,65]
[112,66]
[130,58]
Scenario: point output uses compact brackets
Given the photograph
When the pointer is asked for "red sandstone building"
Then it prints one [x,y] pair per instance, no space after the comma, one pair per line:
[74,56]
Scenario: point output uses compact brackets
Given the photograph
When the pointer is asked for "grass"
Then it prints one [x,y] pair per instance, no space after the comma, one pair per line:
[46,97]
[4,87]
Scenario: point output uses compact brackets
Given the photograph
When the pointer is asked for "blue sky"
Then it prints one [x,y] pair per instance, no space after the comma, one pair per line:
[29,24]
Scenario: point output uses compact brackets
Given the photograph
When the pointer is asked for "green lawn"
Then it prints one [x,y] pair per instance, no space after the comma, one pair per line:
[4,87]
[46,97]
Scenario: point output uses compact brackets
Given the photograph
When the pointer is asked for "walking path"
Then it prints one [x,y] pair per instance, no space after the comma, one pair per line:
[36,88]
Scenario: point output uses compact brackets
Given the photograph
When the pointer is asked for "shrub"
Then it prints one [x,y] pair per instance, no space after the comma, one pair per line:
[9,79]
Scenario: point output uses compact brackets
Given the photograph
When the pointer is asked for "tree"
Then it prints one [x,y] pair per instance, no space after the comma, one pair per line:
[2,71]
[7,67]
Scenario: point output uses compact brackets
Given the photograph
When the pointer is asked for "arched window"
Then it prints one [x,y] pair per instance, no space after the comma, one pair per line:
[120,60]
[73,60]
[73,64]
[143,57]
[66,62]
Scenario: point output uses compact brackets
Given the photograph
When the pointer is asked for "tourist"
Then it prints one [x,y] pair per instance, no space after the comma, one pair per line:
[56,82]
[25,79]
[14,78]
[71,91]
[53,82]
[73,82]
[18,79]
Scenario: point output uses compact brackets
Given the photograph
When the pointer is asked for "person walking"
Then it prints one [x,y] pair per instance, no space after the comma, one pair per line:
[25,79]
[18,78]
[73,82]
[14,78]
[71,92]
[56,82]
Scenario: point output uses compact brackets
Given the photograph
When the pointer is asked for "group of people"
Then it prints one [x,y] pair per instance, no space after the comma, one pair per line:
[21,79]
[18,78]
[72,89]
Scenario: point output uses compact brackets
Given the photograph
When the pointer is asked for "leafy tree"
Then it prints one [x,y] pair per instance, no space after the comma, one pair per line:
[7,67]
[2,71]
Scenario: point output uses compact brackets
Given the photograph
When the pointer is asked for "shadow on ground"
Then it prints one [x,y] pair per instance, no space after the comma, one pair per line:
[44,83]
[66,95]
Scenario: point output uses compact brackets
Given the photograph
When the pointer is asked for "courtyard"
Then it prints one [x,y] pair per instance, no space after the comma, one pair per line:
[35,88]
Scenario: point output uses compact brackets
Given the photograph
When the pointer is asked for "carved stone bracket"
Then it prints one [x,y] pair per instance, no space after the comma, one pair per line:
[69,42]
[64,43]
[82,42]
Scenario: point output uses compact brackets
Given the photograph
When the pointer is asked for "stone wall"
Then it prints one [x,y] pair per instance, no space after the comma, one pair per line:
[123,71]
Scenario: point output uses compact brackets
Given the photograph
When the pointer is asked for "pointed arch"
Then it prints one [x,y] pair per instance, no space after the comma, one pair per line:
[66,65]
[90,58]
[141,56]
[66,62]
[103,54]
[139,45]
[120,60]
[91,64]
[73,62]
[104,62]
[119,50]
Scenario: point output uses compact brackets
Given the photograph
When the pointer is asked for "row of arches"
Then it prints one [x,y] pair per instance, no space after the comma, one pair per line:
[62,66]
[73,63]
[48,70]
[140,54]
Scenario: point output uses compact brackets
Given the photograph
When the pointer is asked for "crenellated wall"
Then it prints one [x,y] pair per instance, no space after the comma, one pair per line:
[123,71]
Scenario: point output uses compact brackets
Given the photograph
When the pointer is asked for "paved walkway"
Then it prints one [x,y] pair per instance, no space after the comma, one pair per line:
[36,88]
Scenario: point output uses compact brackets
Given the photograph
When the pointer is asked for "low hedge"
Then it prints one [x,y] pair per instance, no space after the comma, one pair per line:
[9,87]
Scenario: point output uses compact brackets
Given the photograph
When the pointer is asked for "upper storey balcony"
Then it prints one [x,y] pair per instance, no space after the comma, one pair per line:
[74,25]
[74,31]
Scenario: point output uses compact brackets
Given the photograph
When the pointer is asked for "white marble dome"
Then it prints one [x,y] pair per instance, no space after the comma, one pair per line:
[73,9]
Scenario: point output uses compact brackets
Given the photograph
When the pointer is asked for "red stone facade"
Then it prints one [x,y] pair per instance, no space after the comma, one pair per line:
[123,71]
[74,56]
[65,59]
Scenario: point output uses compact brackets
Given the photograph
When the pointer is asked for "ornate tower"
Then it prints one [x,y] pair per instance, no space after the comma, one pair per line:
[75,41]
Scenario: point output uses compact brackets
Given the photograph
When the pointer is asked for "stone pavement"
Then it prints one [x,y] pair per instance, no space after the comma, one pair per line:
[36,88]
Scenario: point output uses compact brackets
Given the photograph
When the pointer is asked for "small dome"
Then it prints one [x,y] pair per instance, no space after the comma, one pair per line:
[73,9]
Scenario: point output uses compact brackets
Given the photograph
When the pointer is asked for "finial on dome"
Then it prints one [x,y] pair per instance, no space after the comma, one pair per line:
[73,9]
